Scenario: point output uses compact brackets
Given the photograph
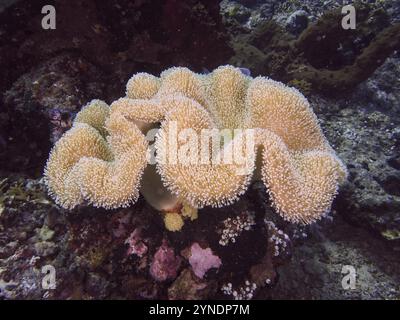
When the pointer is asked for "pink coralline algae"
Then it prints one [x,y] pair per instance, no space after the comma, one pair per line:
[202,260]
[135,243]
[233,227]
[165,264]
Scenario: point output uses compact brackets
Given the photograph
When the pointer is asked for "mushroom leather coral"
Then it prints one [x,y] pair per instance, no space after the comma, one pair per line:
[104,164]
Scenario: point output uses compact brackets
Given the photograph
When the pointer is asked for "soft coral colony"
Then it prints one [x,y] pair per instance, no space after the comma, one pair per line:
[103,159]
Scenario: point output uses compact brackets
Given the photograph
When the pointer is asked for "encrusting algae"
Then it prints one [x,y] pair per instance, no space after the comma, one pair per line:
[104,158]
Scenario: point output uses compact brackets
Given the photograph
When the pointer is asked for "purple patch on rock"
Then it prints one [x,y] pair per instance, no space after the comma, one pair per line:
[136,244]
[202,260]
[165,264]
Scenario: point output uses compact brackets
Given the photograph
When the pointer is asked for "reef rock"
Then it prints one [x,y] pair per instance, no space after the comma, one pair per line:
[202,260]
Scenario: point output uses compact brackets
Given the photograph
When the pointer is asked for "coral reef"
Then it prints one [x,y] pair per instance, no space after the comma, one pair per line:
[120,253]
[40,106]
[91,253]
[232,228]
[371,196]
[112,255]
[82,165]
[298,166]
[333,60]
[173,221]
[316,266]
[189,287]
[165,264]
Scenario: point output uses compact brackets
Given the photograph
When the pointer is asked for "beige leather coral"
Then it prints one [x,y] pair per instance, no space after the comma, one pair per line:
[105,171]
[103,158]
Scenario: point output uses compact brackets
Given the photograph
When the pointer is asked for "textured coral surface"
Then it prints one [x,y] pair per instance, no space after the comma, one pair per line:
[299,168]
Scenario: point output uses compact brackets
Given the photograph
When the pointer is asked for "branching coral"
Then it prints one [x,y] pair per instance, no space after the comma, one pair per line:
[212,128]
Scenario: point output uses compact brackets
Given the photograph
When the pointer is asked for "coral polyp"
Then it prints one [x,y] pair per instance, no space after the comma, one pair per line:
[216,133]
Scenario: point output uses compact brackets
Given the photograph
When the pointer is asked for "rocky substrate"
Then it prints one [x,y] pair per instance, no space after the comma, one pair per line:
[294,16]
[365,130]
[315,271]
[127,254]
